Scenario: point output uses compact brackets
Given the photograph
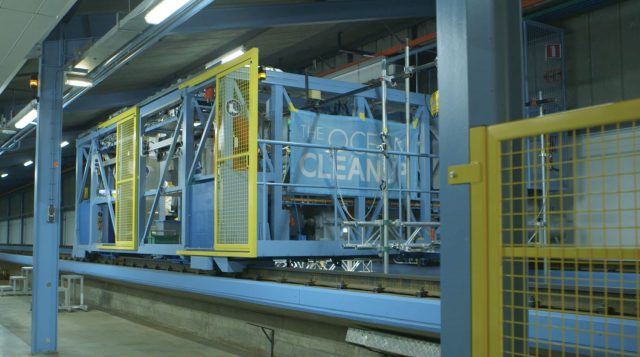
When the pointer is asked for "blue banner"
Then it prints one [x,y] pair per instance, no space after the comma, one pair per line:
[349,170]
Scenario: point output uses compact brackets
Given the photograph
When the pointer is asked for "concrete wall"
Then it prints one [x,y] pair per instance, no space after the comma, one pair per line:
[603,55]
[219,323]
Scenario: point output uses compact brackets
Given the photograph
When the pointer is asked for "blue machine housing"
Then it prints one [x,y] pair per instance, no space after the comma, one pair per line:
[295,219]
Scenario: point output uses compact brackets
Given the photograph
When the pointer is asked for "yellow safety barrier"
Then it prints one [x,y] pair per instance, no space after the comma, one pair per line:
[126,185]
[555,205]
[235,157]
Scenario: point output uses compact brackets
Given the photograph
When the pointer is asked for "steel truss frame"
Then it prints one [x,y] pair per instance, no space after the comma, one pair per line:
[280,93]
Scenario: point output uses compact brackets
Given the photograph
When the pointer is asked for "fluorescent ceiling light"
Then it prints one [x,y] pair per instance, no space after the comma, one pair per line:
[163,10]
[28,163]
[79,82]
[78,71]
[27,119]
[232,55]
[8,132]
[4,175]
[197,123]
[64,143]
[227,57]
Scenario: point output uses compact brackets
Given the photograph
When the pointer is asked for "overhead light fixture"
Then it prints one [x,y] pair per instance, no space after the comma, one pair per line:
[77,71]
[8,132]
[164,9]
[197,123]
[28,163]
[64,143]
[26,115]
[3,175]
[227,57]
[79,82]
[27,119]
[231,56]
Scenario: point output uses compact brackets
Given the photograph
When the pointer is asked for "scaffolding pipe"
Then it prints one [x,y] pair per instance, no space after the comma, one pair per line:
[344,148]
[377,223]
[407,119]
[383,184]
[543,166]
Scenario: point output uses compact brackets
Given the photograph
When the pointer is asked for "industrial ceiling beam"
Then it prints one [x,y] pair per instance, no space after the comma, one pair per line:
[110,100]
[136,45]
[217,18]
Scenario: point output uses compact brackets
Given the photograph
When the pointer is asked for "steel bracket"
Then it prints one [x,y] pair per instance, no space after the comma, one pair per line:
[461,174]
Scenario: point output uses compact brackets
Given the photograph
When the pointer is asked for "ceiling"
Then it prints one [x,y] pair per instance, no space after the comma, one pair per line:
[25,23]
[288,44]
[290,34]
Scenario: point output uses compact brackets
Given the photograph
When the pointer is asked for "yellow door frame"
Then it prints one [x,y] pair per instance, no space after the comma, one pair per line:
[121,243]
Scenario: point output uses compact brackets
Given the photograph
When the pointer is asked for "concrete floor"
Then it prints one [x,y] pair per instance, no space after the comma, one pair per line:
[97,333]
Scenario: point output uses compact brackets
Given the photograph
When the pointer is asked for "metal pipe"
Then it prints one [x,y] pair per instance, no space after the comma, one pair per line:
[263,148]
[362,188]
[383,185]
[407,119]
[343,148]
[543,166]
[10,144]
[415,224]
[334,163]
[378,223]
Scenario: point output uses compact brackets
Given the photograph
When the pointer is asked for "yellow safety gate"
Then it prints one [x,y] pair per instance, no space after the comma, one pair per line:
[235,156]
[555,207]
[236,159]
[126,185]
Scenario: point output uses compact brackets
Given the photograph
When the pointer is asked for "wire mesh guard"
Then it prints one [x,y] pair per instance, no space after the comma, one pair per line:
[232,160]
[125,183]
[570,242]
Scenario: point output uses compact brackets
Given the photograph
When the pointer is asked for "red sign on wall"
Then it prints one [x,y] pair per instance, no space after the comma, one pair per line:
[553,51]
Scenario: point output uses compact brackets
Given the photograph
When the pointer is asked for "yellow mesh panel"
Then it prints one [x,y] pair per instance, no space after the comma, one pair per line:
[126,181]
[567,239]
[236,160]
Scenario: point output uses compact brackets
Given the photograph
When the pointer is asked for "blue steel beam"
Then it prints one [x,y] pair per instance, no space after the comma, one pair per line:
[414,314]
[44,319]
[279,218]
[291,80]
[218,18]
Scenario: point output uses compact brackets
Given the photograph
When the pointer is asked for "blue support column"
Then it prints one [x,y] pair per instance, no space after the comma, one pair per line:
[279,217]
[185,165]
[44,320]
[480,83]
[425,167]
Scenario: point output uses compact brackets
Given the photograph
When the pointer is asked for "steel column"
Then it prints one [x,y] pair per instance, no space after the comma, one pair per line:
[44,321]
[279,217]
[186,162]
[480,66]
